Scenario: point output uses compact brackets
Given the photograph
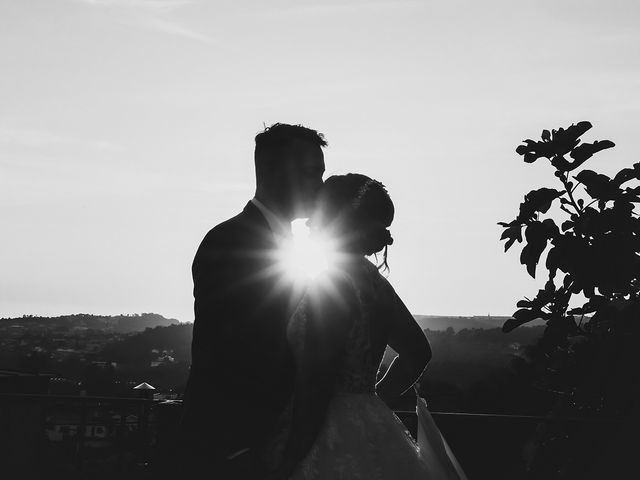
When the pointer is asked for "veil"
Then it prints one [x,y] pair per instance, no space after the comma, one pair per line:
[434,448]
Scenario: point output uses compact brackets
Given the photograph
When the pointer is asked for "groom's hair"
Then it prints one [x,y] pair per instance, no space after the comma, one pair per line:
[273,141]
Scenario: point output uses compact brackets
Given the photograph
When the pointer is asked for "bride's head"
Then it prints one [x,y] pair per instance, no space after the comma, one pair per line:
[355,211]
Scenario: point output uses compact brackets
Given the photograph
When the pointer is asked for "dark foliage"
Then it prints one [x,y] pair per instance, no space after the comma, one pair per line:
[596,251]
[586,352]
[480,371]
[140,348]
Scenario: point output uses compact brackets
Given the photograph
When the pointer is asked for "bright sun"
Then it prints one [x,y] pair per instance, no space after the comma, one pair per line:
[304,257]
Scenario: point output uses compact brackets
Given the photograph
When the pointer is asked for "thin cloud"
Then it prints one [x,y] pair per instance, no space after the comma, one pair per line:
[173,28]
[162,6]
[19,137]
[153,15]
[28,138]
[346,8]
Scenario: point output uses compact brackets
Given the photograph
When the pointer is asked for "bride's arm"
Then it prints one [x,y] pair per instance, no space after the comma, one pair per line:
[414,352]
[317,364]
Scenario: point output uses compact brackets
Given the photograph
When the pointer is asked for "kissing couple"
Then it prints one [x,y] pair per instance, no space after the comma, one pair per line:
[283,381]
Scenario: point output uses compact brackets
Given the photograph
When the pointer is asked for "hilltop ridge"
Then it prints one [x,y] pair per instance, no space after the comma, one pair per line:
[441,322]
[124,323]
[130,323]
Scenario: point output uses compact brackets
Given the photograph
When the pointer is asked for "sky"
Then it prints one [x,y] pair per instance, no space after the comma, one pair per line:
[127,126]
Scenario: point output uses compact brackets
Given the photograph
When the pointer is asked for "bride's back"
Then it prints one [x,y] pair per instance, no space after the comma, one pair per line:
[368,337]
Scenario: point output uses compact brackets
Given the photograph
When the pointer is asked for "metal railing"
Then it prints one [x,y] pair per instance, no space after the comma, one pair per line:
[85,437]
[44,435]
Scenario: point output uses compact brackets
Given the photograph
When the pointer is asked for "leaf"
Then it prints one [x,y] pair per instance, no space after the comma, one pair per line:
[588,291]
[537,201]
[561,164]
[579,129]
[598,185]
[594,304]
[577,287]
[532,150]
[566,225]
[537,234]
[520,317]
[624,175]
[586,175]
[512,232]
[551,228]
[546,135]
[556,144]
[565,140]
[623,209]
[549,287]
[583,152]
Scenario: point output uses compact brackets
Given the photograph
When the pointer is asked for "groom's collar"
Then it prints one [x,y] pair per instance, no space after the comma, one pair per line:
[278,226]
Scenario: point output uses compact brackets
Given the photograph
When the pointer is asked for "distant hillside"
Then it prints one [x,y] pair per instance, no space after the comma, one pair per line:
[139,322]
[82,321]
[436,322]
[146,346]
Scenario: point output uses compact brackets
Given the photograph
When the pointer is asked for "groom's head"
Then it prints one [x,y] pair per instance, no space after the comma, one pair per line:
[289,166]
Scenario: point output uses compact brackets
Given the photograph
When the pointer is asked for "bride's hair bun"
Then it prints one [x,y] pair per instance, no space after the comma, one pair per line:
[388,237]
[364,208]
[376,240]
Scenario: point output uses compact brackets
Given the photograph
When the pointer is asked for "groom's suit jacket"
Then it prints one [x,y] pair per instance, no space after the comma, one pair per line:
[242,369]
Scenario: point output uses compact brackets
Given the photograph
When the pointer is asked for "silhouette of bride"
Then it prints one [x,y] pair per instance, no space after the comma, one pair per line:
[337,425]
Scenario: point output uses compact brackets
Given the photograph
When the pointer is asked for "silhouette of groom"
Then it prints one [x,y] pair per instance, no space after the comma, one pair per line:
[242,371]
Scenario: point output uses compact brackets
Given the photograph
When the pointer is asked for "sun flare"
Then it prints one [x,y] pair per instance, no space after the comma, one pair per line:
[305,256]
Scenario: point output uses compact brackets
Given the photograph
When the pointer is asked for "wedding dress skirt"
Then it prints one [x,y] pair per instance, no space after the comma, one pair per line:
[434,449]
[363,439]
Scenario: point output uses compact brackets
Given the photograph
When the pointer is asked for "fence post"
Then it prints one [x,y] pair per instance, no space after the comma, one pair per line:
[80,436]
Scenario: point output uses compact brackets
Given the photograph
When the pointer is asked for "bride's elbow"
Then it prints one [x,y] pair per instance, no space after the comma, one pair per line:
[425,354]
[429,353]
[424,361]
[420,355]
[419,360]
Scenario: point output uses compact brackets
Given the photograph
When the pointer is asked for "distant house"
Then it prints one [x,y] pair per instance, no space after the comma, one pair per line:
[162,360]
[144,390]
[98,432]
[131,421]
[94,435]
[62,353]
[60,433]
[103,364]
[66,426]
[165,396]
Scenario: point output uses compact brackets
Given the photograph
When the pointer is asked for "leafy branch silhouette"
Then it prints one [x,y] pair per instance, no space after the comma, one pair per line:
[595,251]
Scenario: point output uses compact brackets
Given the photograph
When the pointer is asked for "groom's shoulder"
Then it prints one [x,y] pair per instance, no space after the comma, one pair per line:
[228,230]
[218,242]
[241,228]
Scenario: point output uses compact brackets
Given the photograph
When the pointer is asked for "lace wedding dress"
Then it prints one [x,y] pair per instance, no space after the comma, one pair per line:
[361,437]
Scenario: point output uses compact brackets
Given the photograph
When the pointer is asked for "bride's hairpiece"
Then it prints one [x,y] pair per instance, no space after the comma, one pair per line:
[362,191]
